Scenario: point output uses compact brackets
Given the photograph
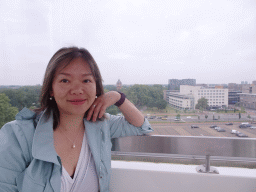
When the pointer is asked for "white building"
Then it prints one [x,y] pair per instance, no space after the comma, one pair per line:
[188,96]
[180,101]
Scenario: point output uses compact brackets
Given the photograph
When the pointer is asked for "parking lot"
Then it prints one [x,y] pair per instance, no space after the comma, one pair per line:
[184,129]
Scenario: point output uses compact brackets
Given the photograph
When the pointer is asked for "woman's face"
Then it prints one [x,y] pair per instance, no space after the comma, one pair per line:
[74,88]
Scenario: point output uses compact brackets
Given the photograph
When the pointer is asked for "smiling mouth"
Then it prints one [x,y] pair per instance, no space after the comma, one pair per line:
[77,101]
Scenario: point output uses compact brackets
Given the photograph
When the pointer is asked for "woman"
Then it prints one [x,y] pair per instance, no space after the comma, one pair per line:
[66,144]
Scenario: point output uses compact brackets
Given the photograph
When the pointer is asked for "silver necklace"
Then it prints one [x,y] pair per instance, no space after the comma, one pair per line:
[73,143]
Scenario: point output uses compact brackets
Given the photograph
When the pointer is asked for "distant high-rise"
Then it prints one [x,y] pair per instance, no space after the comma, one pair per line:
[244,82]
[174,84]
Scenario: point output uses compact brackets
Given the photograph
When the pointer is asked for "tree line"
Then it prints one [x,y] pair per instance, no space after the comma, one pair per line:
[14,100]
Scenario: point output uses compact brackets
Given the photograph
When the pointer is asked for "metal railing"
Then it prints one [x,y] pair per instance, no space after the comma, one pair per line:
[220,151]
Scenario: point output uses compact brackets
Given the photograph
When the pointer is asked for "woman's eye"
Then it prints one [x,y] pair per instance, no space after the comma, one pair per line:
[64,81]
[87,81]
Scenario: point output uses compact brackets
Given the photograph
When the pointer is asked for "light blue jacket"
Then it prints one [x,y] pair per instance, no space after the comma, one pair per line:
[29,162]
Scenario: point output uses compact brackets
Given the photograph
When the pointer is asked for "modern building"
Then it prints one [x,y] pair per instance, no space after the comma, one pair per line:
[233,97]
[217,97]
[180,101]
[249,88]
[248,100]
[189,95]
[174,84]
[248,96]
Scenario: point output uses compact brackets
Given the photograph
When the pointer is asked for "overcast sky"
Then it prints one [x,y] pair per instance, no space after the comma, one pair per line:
[136,41]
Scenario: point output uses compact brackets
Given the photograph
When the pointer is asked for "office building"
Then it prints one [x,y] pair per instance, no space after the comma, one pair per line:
[189,95]
[233,97]
[248,96]
[174,84]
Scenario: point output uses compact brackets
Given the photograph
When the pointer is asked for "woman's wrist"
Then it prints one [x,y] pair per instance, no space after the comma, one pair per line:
[121,100]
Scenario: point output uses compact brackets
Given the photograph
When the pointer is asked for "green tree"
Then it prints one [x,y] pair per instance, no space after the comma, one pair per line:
[113,110]
[213,117]
[198,117]
[132,96]
[7,111]
[202,104]
[249,117]
[206,116]
[25,96]
[161,104]
[235,110]
[239,115]
[178,116]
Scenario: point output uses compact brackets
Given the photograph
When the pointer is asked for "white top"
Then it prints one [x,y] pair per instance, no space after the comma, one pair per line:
[85,177]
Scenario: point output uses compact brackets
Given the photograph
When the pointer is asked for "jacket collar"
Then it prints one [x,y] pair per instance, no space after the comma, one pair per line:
[25,114]
[43,143]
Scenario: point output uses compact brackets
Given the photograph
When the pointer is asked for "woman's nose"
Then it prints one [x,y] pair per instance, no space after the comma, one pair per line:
[77,89]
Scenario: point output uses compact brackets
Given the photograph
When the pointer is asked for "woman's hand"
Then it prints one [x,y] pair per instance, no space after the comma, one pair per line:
[101,103]
[130,112]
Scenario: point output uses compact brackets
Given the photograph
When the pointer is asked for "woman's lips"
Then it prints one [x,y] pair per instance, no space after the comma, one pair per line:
[77,101]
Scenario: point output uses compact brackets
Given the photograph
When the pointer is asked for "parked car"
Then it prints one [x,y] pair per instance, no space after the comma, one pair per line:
[221,130]
[164,118]
[233,131]
[242,126]
[217,128]
[189,117]
[215,119]
[213,126]
[252,127]
[176,119]
[194,126]
[239,134]
[229,124]
[248,125]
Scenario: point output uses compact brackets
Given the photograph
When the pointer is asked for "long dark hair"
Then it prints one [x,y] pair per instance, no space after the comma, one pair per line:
[62,58]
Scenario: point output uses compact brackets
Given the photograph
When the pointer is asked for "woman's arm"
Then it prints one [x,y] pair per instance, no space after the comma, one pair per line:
[130,112]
